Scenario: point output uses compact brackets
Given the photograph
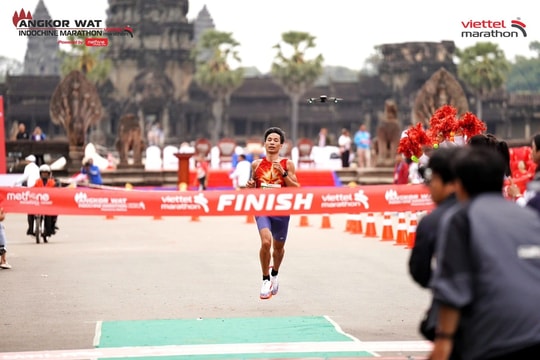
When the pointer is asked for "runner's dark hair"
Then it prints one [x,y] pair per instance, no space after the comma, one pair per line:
[275,130]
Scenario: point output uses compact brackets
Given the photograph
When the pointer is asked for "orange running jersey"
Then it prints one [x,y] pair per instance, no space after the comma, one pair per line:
[267,177]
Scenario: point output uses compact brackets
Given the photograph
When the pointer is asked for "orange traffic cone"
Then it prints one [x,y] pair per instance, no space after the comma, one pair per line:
[357,225]
[304,221]
[401,235]
[412,231]
[371,231]
[325,224]
[250,219]
[349,223]
[387,231]
[195,218]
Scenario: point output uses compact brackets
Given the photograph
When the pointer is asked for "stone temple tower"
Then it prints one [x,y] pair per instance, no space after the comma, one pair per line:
[41,56]
[149,44]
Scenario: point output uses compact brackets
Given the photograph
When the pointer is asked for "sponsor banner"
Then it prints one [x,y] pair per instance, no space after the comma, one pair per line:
[284,201]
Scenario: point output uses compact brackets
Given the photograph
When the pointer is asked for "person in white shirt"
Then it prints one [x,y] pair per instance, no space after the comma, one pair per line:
[344,142]
[29,176]
[241,173]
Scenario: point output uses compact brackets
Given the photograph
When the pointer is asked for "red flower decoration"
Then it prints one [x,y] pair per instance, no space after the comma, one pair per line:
[411,144]
[443,123]
[470,125]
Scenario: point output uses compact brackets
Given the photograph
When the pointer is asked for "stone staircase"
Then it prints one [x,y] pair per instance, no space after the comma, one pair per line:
[371,176]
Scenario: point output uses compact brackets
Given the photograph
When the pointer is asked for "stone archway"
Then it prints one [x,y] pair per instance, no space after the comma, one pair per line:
[151,94]
[442,88]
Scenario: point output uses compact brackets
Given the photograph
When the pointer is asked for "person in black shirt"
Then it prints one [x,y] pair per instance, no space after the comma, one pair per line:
[439,178]
[21,133]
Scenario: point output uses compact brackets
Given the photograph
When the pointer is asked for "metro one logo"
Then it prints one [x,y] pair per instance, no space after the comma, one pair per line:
[265,202]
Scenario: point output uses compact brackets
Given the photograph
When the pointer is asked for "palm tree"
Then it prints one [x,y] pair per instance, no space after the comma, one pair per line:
[91,61]
[483,68]
[296,74]
[214,74]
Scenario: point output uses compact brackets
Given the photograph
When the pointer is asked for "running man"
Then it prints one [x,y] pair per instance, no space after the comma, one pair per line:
[272,172]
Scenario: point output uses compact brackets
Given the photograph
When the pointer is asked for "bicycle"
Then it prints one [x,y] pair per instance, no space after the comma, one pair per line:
[40,229]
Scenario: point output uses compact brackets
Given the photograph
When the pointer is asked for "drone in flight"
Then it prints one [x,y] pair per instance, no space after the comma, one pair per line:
[324,99]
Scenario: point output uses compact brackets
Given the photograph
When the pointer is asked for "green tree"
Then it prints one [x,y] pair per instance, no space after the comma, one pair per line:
[296,74]
[214,56]
[483,67]
[90,60]
[524,76]
[9,66]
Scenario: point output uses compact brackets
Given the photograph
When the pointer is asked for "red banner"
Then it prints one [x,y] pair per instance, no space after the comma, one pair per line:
[285,201]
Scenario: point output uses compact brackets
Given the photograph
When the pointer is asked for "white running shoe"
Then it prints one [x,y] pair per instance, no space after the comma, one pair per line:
[266,289]
[275,284]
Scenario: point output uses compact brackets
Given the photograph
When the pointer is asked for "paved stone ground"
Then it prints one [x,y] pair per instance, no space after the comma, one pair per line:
[132,268]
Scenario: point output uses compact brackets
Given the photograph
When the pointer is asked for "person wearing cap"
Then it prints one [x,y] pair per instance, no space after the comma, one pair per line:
[46,180]
[29,178]
[30,173]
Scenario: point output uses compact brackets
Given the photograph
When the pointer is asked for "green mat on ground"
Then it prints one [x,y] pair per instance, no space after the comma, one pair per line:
[226,331]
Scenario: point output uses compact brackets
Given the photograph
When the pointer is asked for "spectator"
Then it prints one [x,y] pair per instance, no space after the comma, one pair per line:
[201,166]
[531,197]
[487,280]
[323,139]
[21,133]
[91,171]
[439,178]
[362,141]
[156,136]
[28,179]
[38,135]
[30,173]
[401,170]
[3,261]
[344,142]
[242,172]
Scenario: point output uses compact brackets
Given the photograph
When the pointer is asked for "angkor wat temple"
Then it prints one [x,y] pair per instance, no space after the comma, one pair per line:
[152,76]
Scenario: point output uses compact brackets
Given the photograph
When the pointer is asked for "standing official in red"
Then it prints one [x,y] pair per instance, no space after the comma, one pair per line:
[401,170]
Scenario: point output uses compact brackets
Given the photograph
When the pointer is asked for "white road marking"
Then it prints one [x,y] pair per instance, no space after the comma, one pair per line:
[222,349]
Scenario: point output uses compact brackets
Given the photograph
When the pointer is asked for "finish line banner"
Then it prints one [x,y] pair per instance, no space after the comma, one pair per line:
[284,201]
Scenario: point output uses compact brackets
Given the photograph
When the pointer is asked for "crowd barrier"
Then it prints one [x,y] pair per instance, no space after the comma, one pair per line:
[285,201]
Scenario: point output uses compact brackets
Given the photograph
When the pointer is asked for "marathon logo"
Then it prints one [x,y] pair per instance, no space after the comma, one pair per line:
[24,19]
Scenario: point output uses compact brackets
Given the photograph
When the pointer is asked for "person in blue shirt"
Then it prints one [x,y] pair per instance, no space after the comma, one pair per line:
[92,172]
[362,141]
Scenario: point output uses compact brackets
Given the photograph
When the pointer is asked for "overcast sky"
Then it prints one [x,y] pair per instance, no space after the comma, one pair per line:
[346,31]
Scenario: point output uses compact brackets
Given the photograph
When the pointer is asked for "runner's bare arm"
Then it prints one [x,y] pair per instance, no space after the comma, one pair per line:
[290,179]
[251,183]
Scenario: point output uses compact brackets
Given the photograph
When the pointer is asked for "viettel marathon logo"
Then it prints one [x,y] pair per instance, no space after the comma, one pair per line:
[493,29]
[26,25]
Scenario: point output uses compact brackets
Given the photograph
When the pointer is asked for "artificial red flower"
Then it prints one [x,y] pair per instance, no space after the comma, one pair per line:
[414,140]
[471,125]
[443,122]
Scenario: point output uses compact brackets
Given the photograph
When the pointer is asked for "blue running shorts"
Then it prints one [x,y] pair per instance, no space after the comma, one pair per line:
[278,225]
